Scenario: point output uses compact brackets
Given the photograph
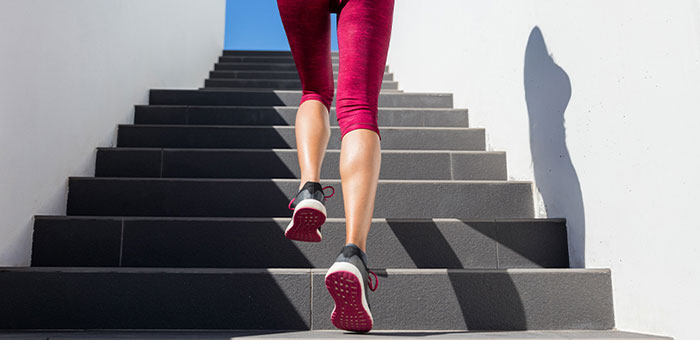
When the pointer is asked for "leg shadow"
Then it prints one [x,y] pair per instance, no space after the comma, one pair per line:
[488,299]
[547,92]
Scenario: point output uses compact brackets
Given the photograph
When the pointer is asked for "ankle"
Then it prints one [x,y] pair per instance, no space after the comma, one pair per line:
[359,245]
[304,181]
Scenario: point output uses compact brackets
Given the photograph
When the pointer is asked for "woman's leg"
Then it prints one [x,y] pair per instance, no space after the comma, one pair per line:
[364,31]
[307,25]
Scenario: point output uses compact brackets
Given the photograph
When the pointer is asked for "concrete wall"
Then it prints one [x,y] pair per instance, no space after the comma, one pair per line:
[598,101]
[70,71]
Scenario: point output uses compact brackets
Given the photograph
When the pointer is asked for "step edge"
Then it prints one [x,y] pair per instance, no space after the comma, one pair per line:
[287,219]
[302,271]
[294,180]
[444,128]
[274,150]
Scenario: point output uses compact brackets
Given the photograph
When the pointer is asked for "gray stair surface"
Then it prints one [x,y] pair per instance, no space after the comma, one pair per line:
[266,137]
[180,197]
[284,84]
[270,75]
[210,89]
[213,298]
[286,98]
[264,59]
[328,335]
[261,66]
[235,243]
[286,115]
[266,53]
[181,228]
[283,163]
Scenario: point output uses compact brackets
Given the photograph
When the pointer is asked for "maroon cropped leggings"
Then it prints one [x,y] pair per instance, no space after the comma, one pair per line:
[364,30]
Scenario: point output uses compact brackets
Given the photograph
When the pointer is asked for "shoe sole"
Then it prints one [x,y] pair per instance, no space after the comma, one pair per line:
[351,311]
[308,216]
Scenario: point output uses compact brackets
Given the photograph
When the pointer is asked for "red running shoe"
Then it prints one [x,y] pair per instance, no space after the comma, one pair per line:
[347,282]
[309,207]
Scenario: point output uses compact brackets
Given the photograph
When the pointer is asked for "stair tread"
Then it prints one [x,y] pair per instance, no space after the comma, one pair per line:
[293,127]
[332,334]
[329,219]
[406,181]
[276,79]
[395,108]
[132,148]
[288,91]
[297,271]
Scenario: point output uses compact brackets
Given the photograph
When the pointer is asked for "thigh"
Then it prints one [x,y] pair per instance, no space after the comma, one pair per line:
[307,25]
[364,31]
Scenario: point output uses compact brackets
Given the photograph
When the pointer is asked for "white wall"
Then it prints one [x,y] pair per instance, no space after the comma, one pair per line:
[599,102]
[70,71]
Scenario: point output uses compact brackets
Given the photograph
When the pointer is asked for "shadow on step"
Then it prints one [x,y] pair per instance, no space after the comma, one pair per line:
[425,243]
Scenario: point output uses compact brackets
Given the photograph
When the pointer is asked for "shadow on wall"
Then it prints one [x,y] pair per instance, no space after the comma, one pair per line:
[547,93]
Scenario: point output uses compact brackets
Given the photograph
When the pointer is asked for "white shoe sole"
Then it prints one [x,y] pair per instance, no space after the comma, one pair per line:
[347,288]
[309,215]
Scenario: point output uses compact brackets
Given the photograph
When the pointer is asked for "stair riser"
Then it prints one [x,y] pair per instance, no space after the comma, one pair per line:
[275,84]
[264,53]
[287,299]
[137,162]
[282,137]
[104,300]
[265,59]
[482,301]
[287,98]
[270,75]
[282,115]
[133,242]
[267,198]
[267,67]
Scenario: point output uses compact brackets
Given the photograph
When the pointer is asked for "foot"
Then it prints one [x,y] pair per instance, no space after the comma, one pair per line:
[347,282]
[309,207]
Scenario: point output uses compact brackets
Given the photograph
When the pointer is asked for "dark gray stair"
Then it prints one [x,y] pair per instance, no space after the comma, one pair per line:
[270,75]
[264,59]
[214,298]
[226,89]
[286,98]
[286,115]
[182,226]
[284,137]
[326,335]
[260,243]
[283,163]
[281,84]
[265,53]
[120,196]
[267,67]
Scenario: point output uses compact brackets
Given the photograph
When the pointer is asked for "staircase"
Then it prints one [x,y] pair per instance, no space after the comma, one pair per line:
[181,228]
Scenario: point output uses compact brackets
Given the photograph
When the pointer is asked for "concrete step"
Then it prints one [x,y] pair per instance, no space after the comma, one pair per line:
[286,115]
[265,59]
[265,53]
[282,84]
[183,197]
[288,66]
[284,137]
[284,163]
[381,91]
[296,299]
[237,243]
[270,75]
[286,98]
[328,335]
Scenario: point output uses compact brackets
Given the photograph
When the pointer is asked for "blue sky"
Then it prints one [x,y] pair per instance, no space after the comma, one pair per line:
[256,25]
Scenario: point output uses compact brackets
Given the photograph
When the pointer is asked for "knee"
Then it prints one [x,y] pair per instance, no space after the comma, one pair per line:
[323,97]
[358,121]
